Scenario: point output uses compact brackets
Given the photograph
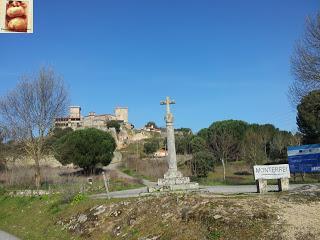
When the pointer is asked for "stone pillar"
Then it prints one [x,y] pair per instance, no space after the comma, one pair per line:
[283,184]
[172,157]
[262,185]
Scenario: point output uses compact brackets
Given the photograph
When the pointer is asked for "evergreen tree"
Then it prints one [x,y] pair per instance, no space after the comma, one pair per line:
[308,118]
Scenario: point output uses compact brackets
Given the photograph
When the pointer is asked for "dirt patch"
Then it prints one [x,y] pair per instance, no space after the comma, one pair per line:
[300,212]
[302,220]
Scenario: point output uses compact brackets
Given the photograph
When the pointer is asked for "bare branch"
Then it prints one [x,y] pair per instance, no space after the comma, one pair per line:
[305,62]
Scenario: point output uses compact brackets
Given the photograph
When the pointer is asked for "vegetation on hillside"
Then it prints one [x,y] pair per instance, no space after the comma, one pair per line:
[174,216]
[233,140]
[114,124]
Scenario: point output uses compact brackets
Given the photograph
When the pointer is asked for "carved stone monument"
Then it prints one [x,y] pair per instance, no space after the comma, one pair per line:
[173,179]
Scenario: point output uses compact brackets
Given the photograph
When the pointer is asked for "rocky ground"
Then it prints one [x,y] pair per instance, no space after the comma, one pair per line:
[293,215]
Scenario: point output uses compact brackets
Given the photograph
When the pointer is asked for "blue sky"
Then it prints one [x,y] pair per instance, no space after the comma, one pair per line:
[217,59]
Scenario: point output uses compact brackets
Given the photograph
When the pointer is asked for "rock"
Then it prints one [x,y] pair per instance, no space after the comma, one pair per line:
[216,217]
[132,220]
[82,218]
[150,238]
[185,214]
[116,213]
[99,210]
[116,230]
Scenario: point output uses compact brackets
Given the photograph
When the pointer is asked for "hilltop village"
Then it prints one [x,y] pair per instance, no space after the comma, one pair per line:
[126,134]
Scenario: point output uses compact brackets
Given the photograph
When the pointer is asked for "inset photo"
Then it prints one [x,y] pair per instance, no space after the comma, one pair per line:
[17,16]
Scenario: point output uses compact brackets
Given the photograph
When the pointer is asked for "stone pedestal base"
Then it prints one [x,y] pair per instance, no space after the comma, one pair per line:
[262,185]
[173,181]
[172,174]
[283,184]
[174,184]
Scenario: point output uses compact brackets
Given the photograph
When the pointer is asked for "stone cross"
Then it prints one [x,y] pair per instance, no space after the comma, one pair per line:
[172,179]
[167,102]
[172,158]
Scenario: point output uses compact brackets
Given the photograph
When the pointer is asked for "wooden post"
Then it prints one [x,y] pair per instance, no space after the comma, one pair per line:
[106,183]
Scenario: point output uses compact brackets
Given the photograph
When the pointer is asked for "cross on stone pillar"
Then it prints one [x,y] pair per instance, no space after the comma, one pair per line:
[168,102]
[172,179]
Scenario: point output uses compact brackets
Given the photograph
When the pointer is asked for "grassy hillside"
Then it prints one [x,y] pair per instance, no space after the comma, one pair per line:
[175,216]
[198,218]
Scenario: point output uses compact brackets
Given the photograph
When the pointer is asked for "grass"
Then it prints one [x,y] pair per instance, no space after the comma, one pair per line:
[36,217]
[31,218]
[78,184]
[135,174]
[116,184]
[141,218]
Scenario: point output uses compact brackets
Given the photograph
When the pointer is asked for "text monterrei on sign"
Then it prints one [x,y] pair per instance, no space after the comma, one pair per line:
[304,159]
[271,171]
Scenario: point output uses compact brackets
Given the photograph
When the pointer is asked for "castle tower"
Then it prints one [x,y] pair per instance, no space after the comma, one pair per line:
[121,113]
[75,112]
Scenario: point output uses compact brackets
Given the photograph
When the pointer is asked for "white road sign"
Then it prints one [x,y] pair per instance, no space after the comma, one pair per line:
[271,171]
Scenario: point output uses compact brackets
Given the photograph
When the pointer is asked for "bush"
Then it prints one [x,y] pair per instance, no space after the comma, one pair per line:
[86,148]
[151,146]
[2,190]
[68,193]
[114,124]
[78,198]
[201,164]
[243,173]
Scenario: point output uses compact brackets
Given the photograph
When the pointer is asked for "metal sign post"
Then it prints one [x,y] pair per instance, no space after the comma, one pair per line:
[304,159]
[106,183]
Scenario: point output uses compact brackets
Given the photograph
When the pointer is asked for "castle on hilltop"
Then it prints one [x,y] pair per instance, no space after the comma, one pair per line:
[76,121]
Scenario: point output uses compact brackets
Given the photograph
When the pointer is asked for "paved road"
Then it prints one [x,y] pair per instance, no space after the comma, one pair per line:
[243,188]
[7,236]
[237,189]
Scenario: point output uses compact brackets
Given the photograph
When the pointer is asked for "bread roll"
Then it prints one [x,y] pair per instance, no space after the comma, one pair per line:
[18,24]
[15,12]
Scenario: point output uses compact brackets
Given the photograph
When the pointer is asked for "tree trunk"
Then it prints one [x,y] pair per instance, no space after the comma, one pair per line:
[38,154]
[37,175]
[302,176]
[224,169]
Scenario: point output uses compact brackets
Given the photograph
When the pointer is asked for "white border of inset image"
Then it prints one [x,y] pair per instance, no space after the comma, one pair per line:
[3,17]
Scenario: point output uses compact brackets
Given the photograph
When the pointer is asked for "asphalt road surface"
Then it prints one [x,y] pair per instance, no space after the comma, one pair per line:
[7,236]
[236,189]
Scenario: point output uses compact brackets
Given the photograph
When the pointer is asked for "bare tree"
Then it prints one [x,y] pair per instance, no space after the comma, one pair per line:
[305,62]
[223,146]
[28,112]
[254,147]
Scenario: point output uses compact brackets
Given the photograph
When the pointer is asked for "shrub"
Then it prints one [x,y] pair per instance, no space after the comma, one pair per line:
[201,164]
[114,124]
[68,193]
[78,198]
[86,148]
[243,173]
[151,146]
[2,190]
